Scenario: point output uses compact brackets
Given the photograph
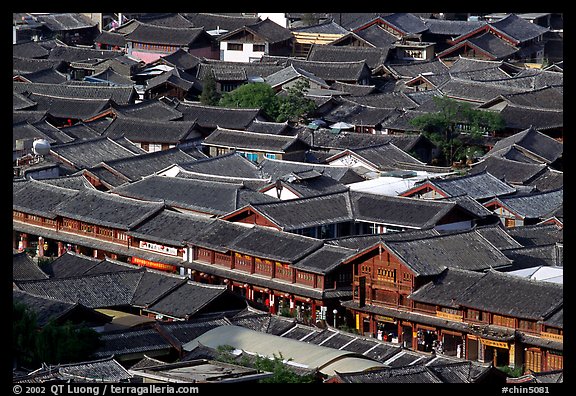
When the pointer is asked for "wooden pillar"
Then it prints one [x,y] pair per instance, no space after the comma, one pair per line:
[61,249]
[40,246]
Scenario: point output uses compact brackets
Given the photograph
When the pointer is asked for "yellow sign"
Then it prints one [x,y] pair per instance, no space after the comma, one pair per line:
[357,322]
[384,319]
[497,344]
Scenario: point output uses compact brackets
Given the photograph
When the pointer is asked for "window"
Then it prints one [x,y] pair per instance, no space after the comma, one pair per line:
[235,47]
[270,155]
[251,156]
[474,314]
[258,48]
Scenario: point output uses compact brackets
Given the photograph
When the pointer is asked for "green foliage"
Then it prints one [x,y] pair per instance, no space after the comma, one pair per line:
[295,106]
[512,372]
[51,344]
[443,127]
[251,96]
[291,107]
[281,373]
[209,95]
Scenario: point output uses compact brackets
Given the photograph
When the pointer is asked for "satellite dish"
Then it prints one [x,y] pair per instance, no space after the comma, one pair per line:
[41,147]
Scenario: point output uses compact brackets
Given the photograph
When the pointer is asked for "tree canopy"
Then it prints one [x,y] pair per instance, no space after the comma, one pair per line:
[51,344]
[456,128]
[292,106]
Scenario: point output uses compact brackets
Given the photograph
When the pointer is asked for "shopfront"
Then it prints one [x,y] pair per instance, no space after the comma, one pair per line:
[426,338]
[496,352]
[386,328]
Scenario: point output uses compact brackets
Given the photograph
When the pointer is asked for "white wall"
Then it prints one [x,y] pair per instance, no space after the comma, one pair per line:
[246,55]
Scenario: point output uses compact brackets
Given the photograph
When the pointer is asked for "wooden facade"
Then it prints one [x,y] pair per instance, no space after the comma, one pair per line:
[52,237]
[382,308]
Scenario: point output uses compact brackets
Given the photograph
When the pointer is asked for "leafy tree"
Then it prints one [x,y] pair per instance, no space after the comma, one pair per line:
[209,95]
[444,127]
[51,344]
[295,105]
[281,373]
[256,95]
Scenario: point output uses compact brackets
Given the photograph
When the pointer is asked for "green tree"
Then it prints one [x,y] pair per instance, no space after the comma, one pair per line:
[281,373]
[457,127]
[295,106]
[209,95]
[256,95]
[52,344]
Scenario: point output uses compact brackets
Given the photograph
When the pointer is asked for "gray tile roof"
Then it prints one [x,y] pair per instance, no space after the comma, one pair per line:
[101,370]
[475,91]
[534,142]
[275,169]
[377,36]
[399,211]
[451,28]
[290,73]
[465,250]
[545,97]
[149,131]
[231,167]
[405,374]
[498,236]
[158,34]
[23,268]
[109,210]
[274,245]
[539,234]
[171,228]
[64,21]
[211,117]
[521,118]
[374,57]
[446,288]
[39,198]
[334,71]
[325,259]
[481,185]
[407,23]
[549,180]
[88,290]
[266,30]
[71,264]
[29,49]
[308,183]
[210,197]
[535,256]
[63,107]
[413,69]
[50,76]
[181,59]
[212,21]
[132,342]
[77,90]
[384,157]
[518,28]
[534,205]
[153,286]
[187,299]
[244,140]
[514,296]
[152,109]
[512,172]
[88,153]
